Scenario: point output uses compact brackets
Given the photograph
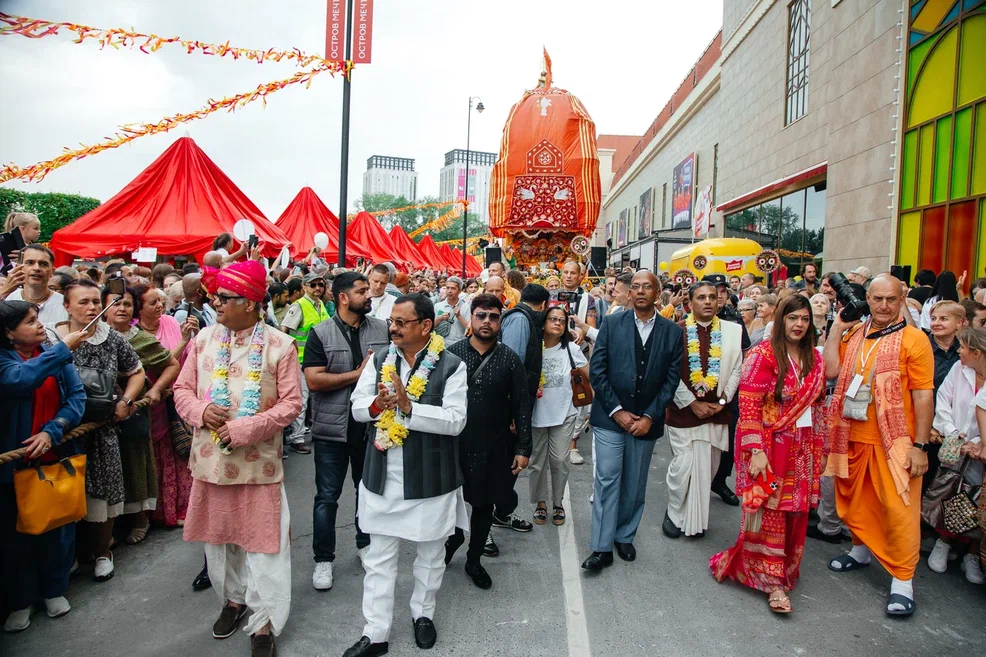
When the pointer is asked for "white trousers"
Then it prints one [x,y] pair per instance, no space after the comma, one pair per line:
[296,432]
[380,563]
[260,581]
[690,473]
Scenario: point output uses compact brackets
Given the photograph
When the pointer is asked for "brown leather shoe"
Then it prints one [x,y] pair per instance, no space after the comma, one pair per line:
[300,448]
[262,645]
[228,621]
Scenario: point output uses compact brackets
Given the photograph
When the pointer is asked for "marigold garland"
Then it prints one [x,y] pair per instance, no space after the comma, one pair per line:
[117,38]
[703,382]
[130,132]
[439,224]
[391,430]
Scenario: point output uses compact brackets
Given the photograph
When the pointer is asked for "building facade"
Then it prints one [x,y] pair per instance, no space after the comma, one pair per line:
[452,182]
[843,133]
[942,193]
[391,175]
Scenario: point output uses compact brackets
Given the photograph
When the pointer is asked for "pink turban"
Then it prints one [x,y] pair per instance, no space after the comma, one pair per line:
[248,279]
[209,279]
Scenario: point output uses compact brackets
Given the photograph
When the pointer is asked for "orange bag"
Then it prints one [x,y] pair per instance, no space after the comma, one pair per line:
[50,496]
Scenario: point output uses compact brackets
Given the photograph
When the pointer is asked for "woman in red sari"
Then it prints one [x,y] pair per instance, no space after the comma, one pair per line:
[779,436]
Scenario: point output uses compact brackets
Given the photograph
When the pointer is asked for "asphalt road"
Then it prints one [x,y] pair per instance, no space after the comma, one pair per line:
[541,603]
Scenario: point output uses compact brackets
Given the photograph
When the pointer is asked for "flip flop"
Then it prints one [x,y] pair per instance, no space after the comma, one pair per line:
[779,605]
[847,563]
[138,534]
[903,600]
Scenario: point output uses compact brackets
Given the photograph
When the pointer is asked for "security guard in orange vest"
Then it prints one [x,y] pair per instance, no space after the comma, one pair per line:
[304,314]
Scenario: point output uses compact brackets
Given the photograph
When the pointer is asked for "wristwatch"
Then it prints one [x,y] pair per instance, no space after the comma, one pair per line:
[126,400]
[922,446]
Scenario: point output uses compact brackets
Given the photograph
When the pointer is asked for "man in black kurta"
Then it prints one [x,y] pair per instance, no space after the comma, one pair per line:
[498,405]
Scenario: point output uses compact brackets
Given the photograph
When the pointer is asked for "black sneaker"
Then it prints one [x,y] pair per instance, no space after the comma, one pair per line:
[512,522]
[490,549]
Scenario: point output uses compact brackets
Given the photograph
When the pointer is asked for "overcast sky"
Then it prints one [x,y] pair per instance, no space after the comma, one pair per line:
[622,59]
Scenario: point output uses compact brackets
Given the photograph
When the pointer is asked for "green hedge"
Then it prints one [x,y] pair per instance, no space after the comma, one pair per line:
[55,210]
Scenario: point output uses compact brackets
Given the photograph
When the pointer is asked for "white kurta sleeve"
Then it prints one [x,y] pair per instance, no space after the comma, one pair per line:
[449,419]
[683,396]
[364,394]
[732,385]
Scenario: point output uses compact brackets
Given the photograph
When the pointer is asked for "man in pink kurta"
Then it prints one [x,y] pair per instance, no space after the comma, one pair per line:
[238,389]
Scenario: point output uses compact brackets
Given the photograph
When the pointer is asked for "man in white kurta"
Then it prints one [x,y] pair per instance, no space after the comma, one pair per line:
[393,515]
[698,421]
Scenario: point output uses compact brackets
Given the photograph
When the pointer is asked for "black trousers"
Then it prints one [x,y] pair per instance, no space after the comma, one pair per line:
[479,528]
[726,462]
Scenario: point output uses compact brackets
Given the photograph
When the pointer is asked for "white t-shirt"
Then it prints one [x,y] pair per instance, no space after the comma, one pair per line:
[50,312]
[981,398]
[382,306]
[555,403]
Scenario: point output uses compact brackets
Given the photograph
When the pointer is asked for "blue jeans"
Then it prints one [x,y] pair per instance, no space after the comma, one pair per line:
[332,459]
[622,463]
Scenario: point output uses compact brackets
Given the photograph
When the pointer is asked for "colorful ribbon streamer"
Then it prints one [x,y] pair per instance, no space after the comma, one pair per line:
[439,224]
[130,132]
[33,28]
[422,206]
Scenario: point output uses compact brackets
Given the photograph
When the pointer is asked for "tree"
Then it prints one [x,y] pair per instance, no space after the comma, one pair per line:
[408,220]
[55,210]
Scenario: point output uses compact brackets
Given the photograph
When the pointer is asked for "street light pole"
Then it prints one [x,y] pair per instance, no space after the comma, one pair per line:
[344,165]
[465,192]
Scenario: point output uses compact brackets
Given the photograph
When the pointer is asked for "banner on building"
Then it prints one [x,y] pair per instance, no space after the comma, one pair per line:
[703,212]
[609,234]
[646,213]
[335,31]
[621,239]
[682,193]
[362,31]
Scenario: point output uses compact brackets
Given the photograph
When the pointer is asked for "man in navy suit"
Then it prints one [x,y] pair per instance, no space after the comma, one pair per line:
[635,369]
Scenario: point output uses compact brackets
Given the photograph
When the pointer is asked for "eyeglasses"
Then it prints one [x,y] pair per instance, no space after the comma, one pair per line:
[317,284]
[493,317]
[223,298]
[400,323]
[647,287]
[555,320]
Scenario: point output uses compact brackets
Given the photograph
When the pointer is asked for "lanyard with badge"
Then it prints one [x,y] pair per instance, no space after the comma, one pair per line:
[859,394]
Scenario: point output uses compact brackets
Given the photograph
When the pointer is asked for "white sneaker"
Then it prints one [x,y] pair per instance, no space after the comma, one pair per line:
[938,559]
[970,566]
[575,457]
[18,621]
[57,606]
[104,569]
[322,577]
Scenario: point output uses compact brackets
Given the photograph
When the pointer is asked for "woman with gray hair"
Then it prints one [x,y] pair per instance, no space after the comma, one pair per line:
[747,309]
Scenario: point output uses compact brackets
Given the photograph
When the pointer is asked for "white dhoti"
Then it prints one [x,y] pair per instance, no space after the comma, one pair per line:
[260,581]
[696,458]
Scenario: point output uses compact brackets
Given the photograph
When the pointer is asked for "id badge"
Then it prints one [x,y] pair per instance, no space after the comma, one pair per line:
[804,422]
[854,386]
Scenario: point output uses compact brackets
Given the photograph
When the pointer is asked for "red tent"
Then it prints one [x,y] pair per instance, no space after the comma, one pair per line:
[454,262]
[177,205]
[429,251]
[307,215]
[473,265]
[366,230]
[406,247]
[470,263]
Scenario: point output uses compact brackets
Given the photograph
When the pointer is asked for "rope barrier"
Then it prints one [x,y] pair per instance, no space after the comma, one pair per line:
[78,432]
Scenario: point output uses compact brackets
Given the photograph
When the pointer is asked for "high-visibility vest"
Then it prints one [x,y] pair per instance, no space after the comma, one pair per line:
[310,316]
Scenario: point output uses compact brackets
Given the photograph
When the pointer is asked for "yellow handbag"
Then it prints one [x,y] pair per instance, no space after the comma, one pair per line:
[49,496]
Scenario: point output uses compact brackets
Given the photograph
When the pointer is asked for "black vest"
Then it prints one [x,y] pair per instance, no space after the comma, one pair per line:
[641,357]
[431,461]
[534,354]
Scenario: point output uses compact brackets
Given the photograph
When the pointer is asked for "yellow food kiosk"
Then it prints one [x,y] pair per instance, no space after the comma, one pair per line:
[732,256]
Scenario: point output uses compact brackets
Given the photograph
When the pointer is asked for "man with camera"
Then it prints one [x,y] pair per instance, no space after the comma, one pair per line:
[881,415]
[28,281]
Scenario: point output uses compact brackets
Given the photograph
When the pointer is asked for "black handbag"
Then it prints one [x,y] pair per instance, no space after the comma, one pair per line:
[100,388]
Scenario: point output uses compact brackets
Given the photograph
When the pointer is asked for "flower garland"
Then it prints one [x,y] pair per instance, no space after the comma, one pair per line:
[543,378]
[703,382]
[219,391]
[391,430]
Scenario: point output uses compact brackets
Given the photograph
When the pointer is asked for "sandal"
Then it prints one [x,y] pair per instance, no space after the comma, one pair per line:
[846,563]
[903,601]
[558,515]
[779,603]
[138,534]
[540,515]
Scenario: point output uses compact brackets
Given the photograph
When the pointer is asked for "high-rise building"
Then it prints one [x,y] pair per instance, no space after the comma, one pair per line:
[391,175]
[453,180]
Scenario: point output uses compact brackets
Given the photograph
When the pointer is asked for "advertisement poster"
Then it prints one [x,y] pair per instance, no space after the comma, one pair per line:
[461,187]
[703,212]
[646,216]
[621,240]
[609,234]
[682,193]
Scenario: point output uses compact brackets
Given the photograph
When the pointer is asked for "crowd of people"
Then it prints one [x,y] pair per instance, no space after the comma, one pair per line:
[850,407]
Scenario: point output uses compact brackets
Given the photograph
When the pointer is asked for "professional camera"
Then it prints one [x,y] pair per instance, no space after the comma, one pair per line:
[853,306]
